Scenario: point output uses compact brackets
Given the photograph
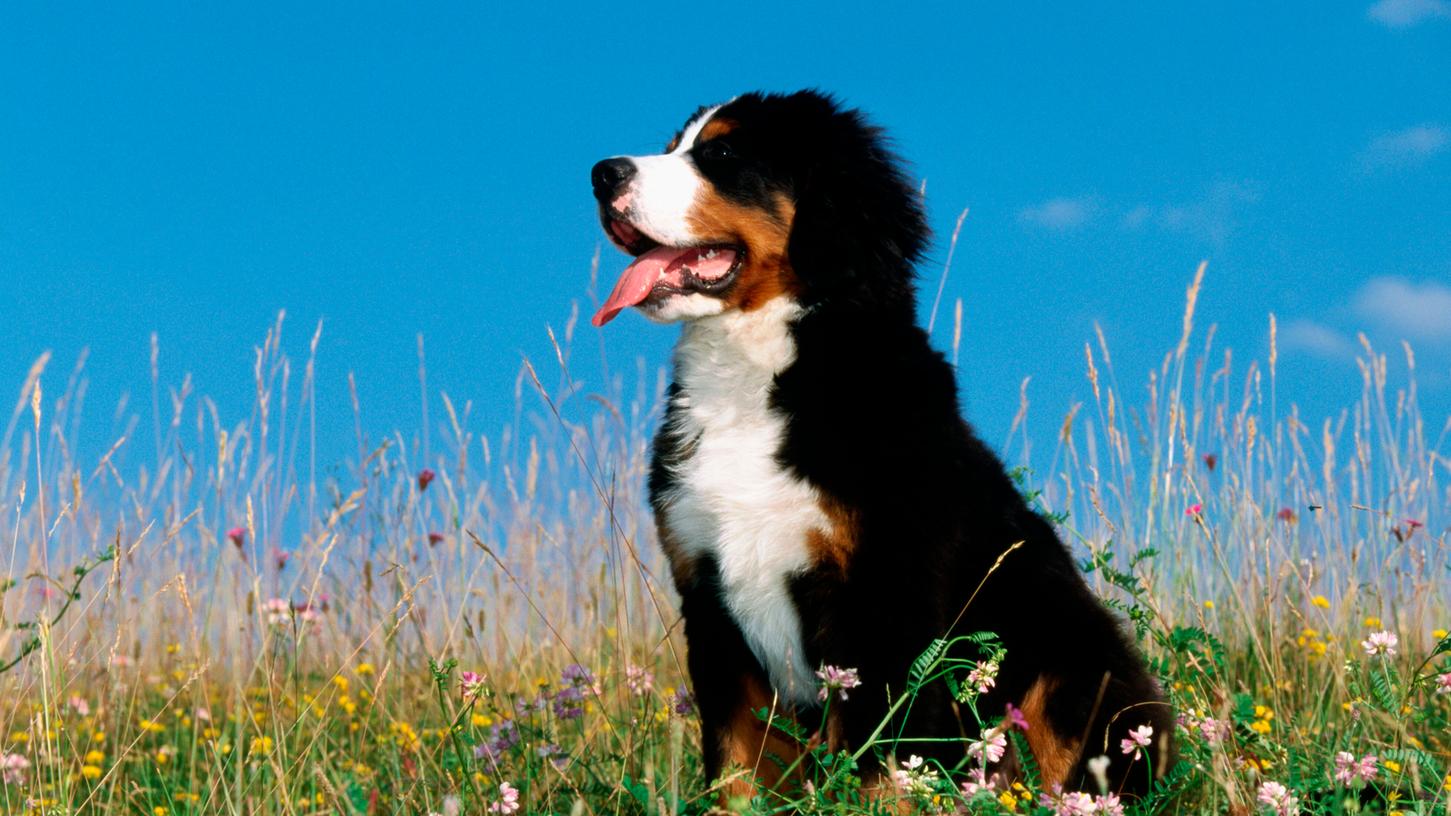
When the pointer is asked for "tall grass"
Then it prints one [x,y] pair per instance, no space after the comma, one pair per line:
[254,631]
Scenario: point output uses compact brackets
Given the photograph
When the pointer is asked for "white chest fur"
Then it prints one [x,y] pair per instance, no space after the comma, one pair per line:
[731,500]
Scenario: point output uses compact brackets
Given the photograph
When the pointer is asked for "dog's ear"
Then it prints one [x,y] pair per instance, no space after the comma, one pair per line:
[859,226]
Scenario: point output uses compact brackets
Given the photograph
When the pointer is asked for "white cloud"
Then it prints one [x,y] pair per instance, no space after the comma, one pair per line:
[1414,311]
[1210,217]
[1059,213]
[1317,339]
[1406,13]
[1406,148]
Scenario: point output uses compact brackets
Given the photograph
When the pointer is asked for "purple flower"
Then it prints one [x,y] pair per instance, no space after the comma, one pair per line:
[502,737]
[639,680]
[836,679]
[683,704]
[1015,718]
[569,703]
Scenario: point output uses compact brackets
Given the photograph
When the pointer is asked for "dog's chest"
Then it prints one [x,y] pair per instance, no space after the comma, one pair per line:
[730,499]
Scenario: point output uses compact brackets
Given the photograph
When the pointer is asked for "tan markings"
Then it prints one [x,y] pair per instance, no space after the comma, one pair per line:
[674,143]
[753,744]
[715,128]
[1054,753]
[764,233]
[834,545]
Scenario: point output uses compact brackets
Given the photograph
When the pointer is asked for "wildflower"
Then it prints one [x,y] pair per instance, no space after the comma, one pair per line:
[13,768]
[983,676]
[639,680]
[1209,605]
[280,557]
[238,536]
[1194,510]
[260,745]
[435,538]
[471,684]
[1137,740]
[1108,805]
[682,703]
[90,772]
[1098,768]
[508,799]
[1279,799]
[1439,634]
[364,669]
[556,755]
[79,705]
[915,778]
[578,676]
[1349,770]
[1392,766]
[991,747]
[502,737]
[424,477]
[1073,803]
[1372,622]
[278,611]
[836,679]
[1210,460]
[1320,601]
[979,782]
[1213,731]
[569,703]
[1380,644]
[1014,718]
[1443,683]
[95,757]
[1286,515]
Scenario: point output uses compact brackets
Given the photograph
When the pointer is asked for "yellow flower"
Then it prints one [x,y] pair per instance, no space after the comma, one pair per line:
[482,720]
[99,736]
[260,745]
[1008,800]
[341,682]
[1209,604]
[1264,713]
[19,736]
[1391,765]
[152,727]
[364,669]
[173,648]
[1446,783]
[1260,726]
[158,811]
[1439,634]
[95,758]
[90,772]
[1320,601]
[1372,622]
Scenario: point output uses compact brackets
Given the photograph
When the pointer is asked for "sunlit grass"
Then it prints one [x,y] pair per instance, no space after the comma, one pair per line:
[272,637]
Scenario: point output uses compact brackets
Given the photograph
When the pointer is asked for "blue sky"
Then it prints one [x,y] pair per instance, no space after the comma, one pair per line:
[395,170]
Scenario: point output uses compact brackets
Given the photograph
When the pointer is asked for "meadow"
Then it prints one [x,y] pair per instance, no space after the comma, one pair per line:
[472,620]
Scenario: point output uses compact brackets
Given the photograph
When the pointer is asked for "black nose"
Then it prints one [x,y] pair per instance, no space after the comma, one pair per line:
[609,176]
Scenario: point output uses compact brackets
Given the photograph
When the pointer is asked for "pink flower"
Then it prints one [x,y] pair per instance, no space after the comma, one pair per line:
[979,782]
[1073,803]
[13,768]
[1194,510]
[1413,525]
[1108,805]
[424,477]
[1279,799]
[278,611]
[1014,718]
[1380,644]
[1285,514]
[281,557]
[836,679]
[991,747]
[1443,683]
[238,536]
[204,714]
[435,538]
[1213,731]
[639,680]
[79,705]
[1349,771]
[508,800]
[1210,460]
[983,676]
[472,685]
[1137,740]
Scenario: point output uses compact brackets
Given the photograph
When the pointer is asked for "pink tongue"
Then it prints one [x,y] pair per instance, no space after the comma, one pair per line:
[662,263]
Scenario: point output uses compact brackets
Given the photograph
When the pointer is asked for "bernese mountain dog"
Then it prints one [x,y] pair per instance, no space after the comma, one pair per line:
[817,492]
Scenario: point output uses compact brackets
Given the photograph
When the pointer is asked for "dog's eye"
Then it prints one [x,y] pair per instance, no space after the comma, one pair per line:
[715,150]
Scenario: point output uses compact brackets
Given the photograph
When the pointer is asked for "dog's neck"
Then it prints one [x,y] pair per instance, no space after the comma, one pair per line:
[737,350]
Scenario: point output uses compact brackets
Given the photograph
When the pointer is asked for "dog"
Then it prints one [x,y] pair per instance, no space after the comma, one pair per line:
[818,495]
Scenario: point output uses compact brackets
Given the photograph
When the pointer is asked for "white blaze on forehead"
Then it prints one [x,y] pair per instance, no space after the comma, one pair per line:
[665,187]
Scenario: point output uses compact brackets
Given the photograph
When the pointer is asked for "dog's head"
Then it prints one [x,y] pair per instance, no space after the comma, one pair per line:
[763,197]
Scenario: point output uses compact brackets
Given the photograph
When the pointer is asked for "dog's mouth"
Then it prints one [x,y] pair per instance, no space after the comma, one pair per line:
[660,271]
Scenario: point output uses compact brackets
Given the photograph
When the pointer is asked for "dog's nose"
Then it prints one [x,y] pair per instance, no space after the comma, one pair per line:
[610,175]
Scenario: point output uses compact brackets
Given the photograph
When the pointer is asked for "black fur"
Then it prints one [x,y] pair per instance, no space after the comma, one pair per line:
[874,423]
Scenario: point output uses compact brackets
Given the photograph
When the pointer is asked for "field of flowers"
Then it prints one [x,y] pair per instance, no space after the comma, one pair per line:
[461,621]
